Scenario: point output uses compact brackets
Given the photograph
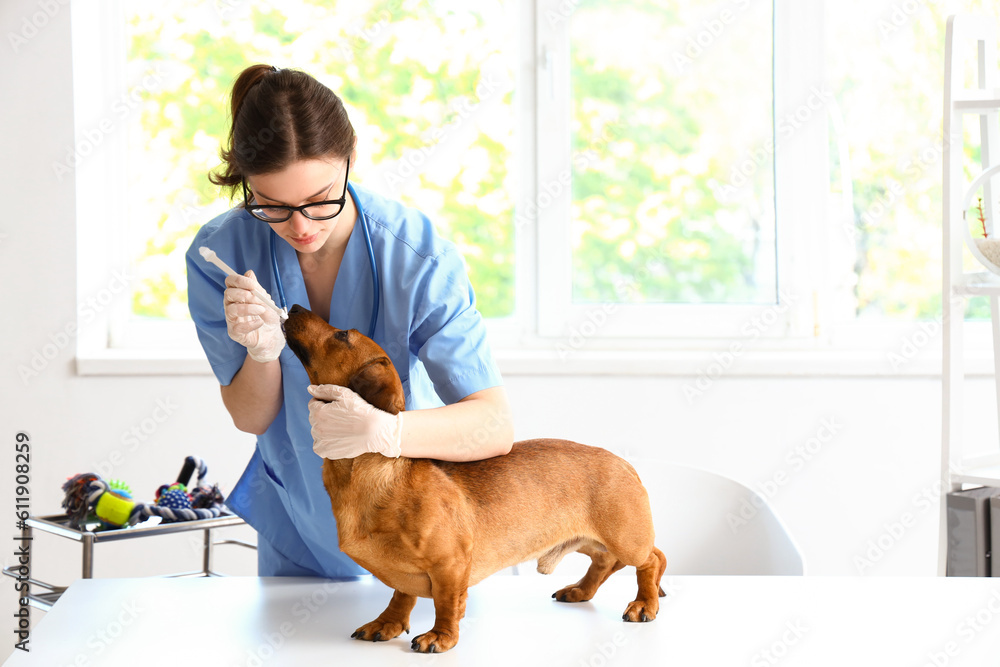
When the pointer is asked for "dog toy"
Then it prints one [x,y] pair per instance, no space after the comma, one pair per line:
[174,496]
[114,507]
[90,499]
[77,501]
[205,497]
[174,503]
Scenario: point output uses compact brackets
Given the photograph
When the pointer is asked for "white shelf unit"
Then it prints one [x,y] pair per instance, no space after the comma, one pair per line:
[983,103]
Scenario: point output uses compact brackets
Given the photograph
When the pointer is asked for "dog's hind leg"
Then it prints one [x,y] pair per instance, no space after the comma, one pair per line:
[663,568]
[391,622]
[603,565]
[647,601]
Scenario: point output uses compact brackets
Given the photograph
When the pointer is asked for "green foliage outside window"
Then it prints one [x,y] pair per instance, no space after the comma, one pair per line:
[656,213]
[663,121]
[413,77]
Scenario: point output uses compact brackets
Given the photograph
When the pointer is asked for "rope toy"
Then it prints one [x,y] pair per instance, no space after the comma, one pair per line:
[82,493]
[173,503]
[91,499]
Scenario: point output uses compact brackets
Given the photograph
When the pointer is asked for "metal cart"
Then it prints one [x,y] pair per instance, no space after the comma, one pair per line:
[58,524]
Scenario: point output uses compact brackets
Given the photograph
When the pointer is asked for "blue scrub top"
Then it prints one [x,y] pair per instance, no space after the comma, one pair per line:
[428,324]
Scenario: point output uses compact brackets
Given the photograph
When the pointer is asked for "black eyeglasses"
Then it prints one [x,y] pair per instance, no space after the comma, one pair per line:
[321,210]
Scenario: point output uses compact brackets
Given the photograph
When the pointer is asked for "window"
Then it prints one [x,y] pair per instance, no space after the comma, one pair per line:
[740,162]
[883,65]
[885,154]
[429,89]
[435,93]
[672,179]
[662,221]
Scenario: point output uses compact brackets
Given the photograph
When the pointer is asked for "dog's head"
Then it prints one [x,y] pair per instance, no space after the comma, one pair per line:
[344,357]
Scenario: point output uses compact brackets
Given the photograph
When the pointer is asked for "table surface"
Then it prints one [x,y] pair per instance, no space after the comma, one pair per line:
[707,620]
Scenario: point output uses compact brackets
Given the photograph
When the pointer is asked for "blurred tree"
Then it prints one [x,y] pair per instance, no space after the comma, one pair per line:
[651,179]
[893,127]
[672,187]
[415,80]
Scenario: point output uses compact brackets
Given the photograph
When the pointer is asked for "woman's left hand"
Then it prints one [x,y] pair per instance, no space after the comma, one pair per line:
[344,425]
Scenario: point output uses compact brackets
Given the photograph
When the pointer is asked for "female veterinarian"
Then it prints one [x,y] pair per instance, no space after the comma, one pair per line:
[306,235]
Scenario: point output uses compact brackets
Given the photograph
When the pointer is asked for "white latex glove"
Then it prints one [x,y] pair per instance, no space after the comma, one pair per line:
[344,425]
[249,322]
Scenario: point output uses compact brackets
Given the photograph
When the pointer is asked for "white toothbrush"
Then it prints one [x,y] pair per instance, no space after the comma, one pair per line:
[210,256]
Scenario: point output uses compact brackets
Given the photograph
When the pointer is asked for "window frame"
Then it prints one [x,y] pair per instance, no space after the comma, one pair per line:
[546,334]
[558,316]
[107,342]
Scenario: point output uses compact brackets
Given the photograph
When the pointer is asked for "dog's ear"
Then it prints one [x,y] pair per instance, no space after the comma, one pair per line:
[378,383]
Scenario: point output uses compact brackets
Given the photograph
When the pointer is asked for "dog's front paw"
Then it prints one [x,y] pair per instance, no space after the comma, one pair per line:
[433,642]
[641,611]
[379,631]
[572,594]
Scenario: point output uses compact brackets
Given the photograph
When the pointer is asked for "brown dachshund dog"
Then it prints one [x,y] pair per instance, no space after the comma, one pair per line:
[429,528]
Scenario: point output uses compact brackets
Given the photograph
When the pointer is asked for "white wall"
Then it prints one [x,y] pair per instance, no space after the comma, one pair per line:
[880,456]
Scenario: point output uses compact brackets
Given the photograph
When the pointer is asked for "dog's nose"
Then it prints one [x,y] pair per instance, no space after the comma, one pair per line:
[296,308]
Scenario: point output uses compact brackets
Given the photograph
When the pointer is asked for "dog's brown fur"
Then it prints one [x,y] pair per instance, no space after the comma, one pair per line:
[430,528]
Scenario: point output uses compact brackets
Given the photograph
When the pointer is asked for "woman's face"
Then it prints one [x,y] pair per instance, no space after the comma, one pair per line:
[306,182]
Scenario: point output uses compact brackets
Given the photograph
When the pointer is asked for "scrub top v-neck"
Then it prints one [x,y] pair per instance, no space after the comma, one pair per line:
[428,324]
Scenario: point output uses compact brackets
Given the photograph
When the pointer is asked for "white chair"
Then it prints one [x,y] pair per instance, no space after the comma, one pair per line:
[705,524]
[709,524]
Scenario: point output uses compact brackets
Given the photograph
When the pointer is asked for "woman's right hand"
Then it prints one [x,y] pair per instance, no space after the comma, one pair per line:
[249,322]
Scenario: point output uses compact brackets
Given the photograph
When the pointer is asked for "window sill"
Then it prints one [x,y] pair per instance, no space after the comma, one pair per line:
[629,362]
[142,362]
[721,363]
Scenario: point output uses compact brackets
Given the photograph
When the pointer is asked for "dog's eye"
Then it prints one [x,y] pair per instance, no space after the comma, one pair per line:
[343,335]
